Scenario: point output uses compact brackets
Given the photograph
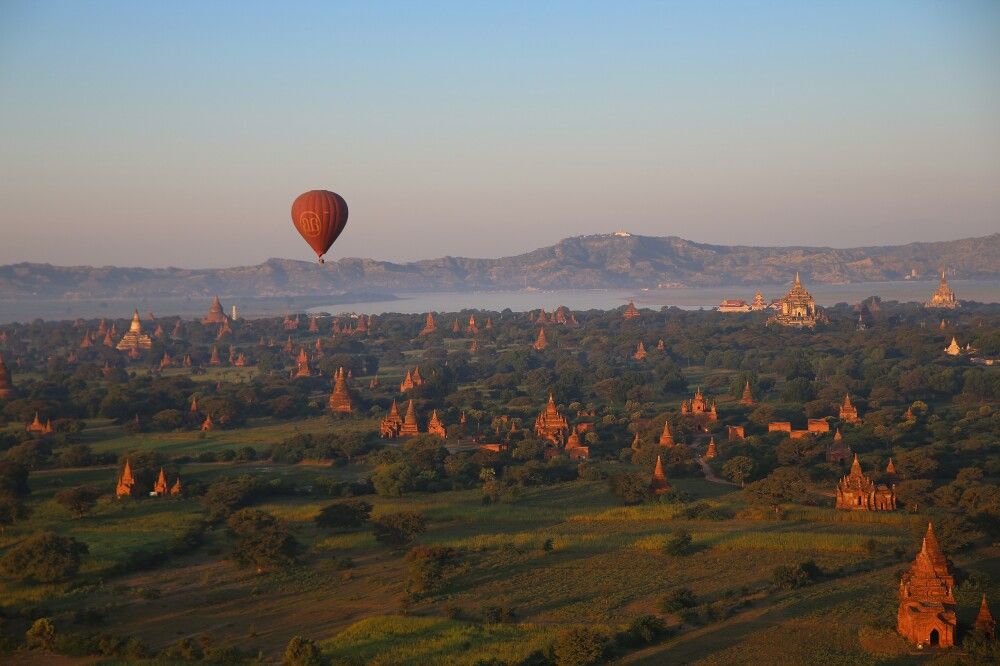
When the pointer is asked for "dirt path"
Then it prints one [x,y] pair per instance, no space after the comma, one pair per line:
[710,475]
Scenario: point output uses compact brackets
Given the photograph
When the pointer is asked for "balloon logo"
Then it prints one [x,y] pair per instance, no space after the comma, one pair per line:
[309,224]
[319,216]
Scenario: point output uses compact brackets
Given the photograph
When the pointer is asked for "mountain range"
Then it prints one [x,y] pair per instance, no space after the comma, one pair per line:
[618,260]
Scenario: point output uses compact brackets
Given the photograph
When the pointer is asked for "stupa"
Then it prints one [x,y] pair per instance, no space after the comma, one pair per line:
[134,338]
[758,302]
[984,622]
[390,426]
[435,426]
[659,484]
[216,315]
[429,325]
[126,482]
[926,613]
[631,312]
[838,452]
[857,492]
[640,352]
[340,398]
[550,424]
[302,368]
[666,437]
[160,488]
[409,427]
[471,328]
[944,297]
[712,450]
[747,399]
[540,342]
[848,412]
[953,349]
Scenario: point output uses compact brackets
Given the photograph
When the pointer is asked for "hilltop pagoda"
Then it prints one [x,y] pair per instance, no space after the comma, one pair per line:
[134,338]
[435,426]
[552,425]
[926,600]
[429,325]
[797,308]
[857,492]
[216,315]
[390,426]
[944,297]
[409,426]
[848,412]
[659,484]
[6,386]
[126,482]
[340,398]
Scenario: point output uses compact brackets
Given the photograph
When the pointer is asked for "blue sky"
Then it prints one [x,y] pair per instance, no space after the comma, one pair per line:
[178,133]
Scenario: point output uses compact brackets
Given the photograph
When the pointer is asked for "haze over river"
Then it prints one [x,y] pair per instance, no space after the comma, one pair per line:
[985,291]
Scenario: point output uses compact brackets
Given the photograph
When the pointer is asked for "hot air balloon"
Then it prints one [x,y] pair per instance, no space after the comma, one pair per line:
[320,216]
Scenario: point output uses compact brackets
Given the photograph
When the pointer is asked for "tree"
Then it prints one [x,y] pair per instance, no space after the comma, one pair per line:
[45,557]
[394,479]
[41,635]
[13,479]
[428,565]
[12,510]
[78,501]
[678,544]
[678,600]
[579,646]
[262,541]
[785,484]
[396,529]
[344,515]
[302,652]
[738,469]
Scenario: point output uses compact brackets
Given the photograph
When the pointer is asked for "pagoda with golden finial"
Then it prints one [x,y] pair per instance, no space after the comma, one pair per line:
[926,598]
[944,297]
[134,338]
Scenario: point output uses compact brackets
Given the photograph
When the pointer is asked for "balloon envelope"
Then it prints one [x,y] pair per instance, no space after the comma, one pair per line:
[320,216]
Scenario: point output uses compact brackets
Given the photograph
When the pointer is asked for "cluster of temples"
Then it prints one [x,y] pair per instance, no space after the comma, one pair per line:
[392,426]
[127,486]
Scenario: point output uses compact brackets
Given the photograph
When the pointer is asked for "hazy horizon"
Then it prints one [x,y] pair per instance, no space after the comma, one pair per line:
[178,134]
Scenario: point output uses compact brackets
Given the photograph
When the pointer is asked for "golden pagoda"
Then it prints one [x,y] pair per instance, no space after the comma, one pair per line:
[216,315]
[134,338]
[540,342]
[340,399]
[953,349]
[747,398]
[435,426]
[640,352]
[178,330]
[429,325]
[390,426]
[6,386]
[944,297]
[409,426]
[126,482]
[659,484]
[798,308]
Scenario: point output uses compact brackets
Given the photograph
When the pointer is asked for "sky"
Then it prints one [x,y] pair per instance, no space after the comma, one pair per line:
[178,133]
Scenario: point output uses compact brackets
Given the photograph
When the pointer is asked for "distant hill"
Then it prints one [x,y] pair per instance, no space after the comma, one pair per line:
[603,261]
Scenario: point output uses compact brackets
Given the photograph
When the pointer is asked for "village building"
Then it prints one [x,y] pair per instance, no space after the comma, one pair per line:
[551,425]
[926,615]
[134,338]
[734,305]
[857,492]
[659,484]
[944,297]
[797,308]
[340,398]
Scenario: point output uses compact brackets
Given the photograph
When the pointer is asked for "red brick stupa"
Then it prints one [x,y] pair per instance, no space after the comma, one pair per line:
[340,399]
[429,325]
[747,398]
[659,484]
[391,425]
[216,315]
[552,425]
[926,603]
[126,482]
[409,426]
[435,426]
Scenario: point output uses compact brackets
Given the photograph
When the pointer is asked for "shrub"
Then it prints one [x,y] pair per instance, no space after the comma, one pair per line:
[302,652]
[678,599]
[499,614]
[78,501]
[344,515]
[578,647]
[42,634]
[397,529]
[45,558]
[428,565]
[678,544]
[644,630]
[789,577]
[262,541]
